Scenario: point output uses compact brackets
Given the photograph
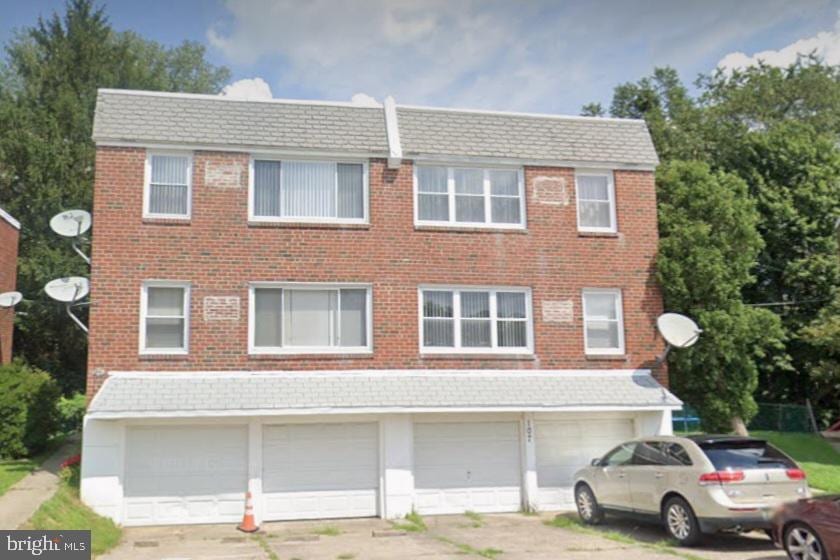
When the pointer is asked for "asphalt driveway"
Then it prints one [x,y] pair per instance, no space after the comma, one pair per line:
[500,536]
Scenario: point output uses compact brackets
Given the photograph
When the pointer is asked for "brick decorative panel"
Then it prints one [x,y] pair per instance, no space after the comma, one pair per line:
[225,174]
[219,253]
[550,190]
[221,308]
[562,311]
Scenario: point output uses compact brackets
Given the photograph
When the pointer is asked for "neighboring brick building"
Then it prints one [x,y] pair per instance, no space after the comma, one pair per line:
[9,235]
[495,266]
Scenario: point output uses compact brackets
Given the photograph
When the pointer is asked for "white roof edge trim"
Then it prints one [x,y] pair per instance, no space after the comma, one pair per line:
[372,410]
[417,158]
[520,114]
[219,97]
[238,148]
[392,129]
[382,373]
[8,217]
[625,166]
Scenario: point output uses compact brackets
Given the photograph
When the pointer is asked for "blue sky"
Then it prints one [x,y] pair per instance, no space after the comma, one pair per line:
[508,55]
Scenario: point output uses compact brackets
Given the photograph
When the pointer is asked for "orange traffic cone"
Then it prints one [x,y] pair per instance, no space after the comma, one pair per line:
[248,524]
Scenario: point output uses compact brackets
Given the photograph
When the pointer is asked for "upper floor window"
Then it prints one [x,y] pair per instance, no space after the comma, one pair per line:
[167,189]
[603,323]
[595,201]
[475,320]
[308,191]
[469,196]
[164,317]
[309,318]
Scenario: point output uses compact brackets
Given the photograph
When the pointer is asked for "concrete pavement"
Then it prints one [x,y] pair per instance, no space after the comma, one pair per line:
[24,498]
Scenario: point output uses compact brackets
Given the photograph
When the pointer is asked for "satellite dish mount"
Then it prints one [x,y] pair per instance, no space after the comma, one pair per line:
[678,331]
[70,291]
[73,224]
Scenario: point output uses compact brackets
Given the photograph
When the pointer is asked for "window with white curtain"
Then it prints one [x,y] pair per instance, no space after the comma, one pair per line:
[308,191]
[475,320]
[295,318]
[164,318]
[595,201]
[469,196]
[603,322]
[168,184]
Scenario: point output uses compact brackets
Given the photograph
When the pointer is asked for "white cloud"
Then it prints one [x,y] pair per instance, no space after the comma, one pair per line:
[364,100]
[825,44]
[249,88]
[539,55]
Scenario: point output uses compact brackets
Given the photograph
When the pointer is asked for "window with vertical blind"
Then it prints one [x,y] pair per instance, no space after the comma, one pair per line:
[311,191]
[595,201]
[164,317]
[466,196]
[475,320]
[167,189]
[309,318]
[603,321]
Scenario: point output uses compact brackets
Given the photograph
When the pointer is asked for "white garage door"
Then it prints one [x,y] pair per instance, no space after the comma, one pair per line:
[465,466]
[185,474]
[320,470]
[563,447]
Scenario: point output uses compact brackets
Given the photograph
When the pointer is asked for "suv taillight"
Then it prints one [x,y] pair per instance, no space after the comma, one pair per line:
[721,477]
[795,474]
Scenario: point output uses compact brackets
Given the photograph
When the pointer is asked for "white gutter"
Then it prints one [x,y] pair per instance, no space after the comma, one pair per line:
[8,217]
[393,130]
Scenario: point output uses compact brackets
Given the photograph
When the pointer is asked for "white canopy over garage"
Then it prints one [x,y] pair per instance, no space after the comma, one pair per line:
[167,448]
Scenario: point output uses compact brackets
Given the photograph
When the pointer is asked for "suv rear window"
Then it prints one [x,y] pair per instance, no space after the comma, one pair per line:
[747,454]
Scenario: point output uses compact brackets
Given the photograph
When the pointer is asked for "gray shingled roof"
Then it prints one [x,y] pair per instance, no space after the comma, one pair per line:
[531,137]
[206,120]
[162,394]
[216,121]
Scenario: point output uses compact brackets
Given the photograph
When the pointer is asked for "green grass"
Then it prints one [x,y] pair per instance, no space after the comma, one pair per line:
[464,548]
[574,524]
[413,523]
[263,542]
[66,511]
[820,461]
[13,470]
[327,531]
[346,556]
[476,520]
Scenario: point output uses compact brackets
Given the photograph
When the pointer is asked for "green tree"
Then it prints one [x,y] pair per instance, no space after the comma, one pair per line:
[48,90]
[709,243]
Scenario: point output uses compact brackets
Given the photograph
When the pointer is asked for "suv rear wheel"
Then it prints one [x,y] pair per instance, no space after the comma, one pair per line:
[681,523]
[588,509]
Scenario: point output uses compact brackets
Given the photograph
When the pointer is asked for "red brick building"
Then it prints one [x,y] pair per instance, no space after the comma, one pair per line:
[9,235]
[387,297]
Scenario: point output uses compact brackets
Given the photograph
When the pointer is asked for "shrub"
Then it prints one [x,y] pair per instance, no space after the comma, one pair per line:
[71,412]
[28,409]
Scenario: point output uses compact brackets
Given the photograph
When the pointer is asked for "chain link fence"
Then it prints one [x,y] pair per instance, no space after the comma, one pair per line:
[772,417]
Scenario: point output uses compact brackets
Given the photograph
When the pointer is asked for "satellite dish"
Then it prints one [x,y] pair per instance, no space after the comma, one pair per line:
[10,299]
[678,330]
[71,223]
[68,290]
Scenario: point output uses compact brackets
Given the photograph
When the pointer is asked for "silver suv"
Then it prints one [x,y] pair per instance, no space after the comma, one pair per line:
[692,485]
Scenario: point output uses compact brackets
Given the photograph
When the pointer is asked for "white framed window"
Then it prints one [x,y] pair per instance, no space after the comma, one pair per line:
[296,318]
[475,320]
[164,317]
[308,191]
[469,197]
[603,321]
[595,194]
[167,188]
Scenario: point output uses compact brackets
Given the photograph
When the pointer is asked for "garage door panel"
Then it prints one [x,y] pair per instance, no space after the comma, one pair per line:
[467,466]
[320,470]
[565,446]
[185,474]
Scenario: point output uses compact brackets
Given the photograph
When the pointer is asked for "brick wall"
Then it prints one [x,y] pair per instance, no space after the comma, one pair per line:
[219,253]
[8,277]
